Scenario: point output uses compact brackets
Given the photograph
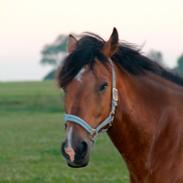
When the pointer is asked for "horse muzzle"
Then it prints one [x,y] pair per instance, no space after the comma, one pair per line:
[77,157]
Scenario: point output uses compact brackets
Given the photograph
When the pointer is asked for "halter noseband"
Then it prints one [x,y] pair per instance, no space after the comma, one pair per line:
[107,121]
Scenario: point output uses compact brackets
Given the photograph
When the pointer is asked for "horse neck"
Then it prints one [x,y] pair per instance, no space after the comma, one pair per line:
[141,100]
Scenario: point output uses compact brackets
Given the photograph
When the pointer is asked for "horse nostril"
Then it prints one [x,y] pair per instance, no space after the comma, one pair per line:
[82,149]
[62,147]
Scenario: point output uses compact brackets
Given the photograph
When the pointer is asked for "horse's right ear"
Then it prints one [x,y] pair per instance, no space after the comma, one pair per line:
[72,41]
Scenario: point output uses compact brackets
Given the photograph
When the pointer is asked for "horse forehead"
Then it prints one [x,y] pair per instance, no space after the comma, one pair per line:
[98,69]
[82,74]
[79,76]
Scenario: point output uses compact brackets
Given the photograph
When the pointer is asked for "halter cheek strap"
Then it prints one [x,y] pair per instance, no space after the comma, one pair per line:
[107,121]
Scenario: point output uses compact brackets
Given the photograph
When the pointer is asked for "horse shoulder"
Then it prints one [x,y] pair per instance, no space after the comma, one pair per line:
[166,156]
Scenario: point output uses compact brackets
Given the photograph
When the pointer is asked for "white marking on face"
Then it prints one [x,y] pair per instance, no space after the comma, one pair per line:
[69,150]
[80,74]
[69,137]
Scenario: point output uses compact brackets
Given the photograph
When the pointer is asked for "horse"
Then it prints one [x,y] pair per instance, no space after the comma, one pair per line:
[111,86]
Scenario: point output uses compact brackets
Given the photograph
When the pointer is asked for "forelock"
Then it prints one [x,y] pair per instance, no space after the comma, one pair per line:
[88,49]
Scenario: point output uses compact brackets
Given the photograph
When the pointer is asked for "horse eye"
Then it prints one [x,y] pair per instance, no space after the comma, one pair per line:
[103,87]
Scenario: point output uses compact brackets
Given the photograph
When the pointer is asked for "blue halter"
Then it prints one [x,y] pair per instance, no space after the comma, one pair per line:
[108,121]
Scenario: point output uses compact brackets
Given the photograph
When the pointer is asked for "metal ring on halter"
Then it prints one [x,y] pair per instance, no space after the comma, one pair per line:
[107,121]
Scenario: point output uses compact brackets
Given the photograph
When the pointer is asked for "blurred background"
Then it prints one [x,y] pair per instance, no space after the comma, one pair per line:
[33,38]
[32,32]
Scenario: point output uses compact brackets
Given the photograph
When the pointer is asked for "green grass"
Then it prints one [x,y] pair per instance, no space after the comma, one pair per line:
[31,131]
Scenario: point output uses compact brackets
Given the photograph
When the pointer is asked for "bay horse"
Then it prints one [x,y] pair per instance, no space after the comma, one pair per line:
[110,86]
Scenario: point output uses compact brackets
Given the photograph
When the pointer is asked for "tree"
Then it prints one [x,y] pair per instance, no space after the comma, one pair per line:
[155,56]
[52,54]
[179,68]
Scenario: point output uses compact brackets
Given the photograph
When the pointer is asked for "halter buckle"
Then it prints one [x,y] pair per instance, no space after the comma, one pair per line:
[115,94]
[94,132]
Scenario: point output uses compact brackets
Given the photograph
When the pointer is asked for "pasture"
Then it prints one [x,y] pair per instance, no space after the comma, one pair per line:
[31,131]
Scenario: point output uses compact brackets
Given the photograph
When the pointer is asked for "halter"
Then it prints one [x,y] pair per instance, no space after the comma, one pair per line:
[107,121]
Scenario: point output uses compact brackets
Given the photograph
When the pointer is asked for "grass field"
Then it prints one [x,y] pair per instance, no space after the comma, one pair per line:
[31,131]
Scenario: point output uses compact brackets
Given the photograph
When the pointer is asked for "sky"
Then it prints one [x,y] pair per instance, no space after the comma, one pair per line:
[27,25]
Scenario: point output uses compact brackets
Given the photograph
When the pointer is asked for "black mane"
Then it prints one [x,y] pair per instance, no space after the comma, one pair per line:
[128,57]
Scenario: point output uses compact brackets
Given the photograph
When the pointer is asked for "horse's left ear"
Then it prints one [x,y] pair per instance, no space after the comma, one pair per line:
[111,46]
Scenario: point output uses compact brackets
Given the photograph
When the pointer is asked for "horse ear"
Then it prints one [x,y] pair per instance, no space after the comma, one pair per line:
[111,46]
[72,41]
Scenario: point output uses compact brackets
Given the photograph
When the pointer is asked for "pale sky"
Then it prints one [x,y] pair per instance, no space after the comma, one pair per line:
[27,25]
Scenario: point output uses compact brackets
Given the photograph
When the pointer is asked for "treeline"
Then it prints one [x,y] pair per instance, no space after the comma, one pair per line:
[53,53]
